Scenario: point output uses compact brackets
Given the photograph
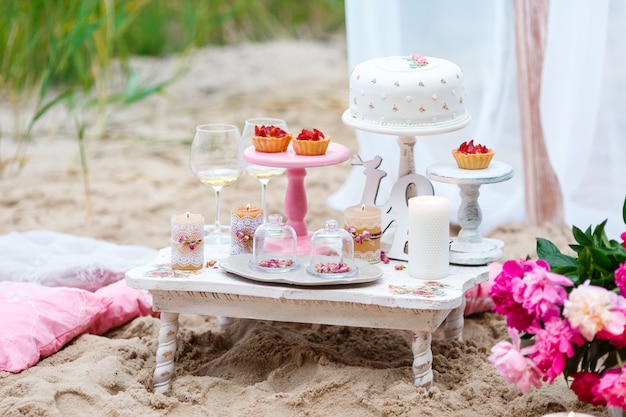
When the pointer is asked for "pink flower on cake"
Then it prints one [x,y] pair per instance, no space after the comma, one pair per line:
[445,106]
[422,109]
[397,84]
[443,81]
[419,60]
[394,108]
[421,84]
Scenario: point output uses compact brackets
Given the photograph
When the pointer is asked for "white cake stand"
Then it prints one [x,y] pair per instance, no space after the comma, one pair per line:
[470,248]
[406,136]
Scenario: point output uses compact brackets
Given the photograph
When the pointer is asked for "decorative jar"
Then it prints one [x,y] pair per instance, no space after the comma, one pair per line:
[331,252]
[274,247]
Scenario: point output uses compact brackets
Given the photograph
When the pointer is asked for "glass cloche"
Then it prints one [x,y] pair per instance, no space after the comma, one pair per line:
[274,248]
[331,252]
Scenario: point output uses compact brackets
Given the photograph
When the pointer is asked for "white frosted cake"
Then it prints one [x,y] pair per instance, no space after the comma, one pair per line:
[407,92]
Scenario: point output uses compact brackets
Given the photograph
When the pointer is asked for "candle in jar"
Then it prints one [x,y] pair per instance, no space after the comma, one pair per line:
[429,237]
[244,221]
[187,237]
[363,223]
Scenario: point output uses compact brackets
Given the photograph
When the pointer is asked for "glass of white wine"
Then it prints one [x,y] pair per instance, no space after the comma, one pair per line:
[262,173]
[216,159]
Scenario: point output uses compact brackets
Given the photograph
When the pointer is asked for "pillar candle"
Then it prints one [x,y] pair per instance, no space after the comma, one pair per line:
[363,223]
[429,237]
[187,247]
[244,220]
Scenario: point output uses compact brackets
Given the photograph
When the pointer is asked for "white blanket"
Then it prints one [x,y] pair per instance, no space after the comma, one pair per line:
[56,259]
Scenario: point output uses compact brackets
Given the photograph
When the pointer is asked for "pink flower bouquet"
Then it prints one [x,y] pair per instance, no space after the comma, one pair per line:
[566,315]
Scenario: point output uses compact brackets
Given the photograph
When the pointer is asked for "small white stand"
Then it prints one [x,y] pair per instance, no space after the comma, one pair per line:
[469,248]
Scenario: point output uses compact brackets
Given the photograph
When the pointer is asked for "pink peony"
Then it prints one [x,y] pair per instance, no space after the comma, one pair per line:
[591,309]
[541,293]
[612,387]
[514,365]
[527,293]
[623,236]
[553,345]
[620,277]
[585,387]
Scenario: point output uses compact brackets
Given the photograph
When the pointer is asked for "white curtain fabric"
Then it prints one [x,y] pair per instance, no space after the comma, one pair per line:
[583,82]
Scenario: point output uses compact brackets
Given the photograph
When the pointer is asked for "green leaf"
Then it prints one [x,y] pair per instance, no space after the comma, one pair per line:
[601,260]
[545,248]
[560,260]
[584,238]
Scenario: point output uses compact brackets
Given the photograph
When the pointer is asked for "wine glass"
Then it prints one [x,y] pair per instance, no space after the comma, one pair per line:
[262,173]
[216,159]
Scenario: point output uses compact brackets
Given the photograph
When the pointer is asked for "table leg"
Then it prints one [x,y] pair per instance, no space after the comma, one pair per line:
[166,351]
[422,359]
[453,325]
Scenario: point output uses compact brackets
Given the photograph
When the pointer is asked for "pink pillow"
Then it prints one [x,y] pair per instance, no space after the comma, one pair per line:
[477,299]
[127,303]
[37,321]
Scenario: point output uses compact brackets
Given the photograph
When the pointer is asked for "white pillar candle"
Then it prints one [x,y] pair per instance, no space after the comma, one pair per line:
[244,220]
[429,237]
[187,241]
[363,223]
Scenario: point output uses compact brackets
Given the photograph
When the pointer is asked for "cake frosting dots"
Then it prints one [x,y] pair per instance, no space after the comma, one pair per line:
[408,91]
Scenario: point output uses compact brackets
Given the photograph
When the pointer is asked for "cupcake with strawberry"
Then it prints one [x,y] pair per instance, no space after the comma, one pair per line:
[472,156]
[270,139]
[310,142]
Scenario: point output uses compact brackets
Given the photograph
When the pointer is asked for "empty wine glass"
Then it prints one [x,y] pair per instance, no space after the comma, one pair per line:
[216,159]
[262,173]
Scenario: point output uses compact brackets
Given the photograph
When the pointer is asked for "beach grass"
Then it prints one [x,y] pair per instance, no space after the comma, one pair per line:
[62,52]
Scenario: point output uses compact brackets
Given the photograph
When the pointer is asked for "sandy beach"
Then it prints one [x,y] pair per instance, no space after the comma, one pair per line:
[139,176]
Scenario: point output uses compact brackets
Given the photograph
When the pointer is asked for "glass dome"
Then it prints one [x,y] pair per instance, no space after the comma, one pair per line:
[274,248]
[332,252]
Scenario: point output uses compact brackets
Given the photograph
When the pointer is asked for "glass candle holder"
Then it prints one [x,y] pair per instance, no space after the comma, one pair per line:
[331,252]
[274,247]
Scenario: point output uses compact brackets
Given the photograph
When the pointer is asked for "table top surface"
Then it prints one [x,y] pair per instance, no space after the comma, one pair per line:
[393,289]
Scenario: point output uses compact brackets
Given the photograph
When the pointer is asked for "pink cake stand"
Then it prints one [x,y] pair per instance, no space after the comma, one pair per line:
[295,196]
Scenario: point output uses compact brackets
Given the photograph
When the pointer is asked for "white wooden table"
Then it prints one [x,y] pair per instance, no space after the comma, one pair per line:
[394,301]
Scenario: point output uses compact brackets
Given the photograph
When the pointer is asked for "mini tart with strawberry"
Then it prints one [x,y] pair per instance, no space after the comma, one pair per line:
[310,142]
[270,139]
[472,156]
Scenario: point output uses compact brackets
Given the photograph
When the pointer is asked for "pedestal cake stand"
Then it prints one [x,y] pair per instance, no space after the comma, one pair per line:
[470,248]
[296,205]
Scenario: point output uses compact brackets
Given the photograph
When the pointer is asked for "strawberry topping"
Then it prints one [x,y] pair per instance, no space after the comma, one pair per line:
[269,131]
[470,148]
[313,135]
